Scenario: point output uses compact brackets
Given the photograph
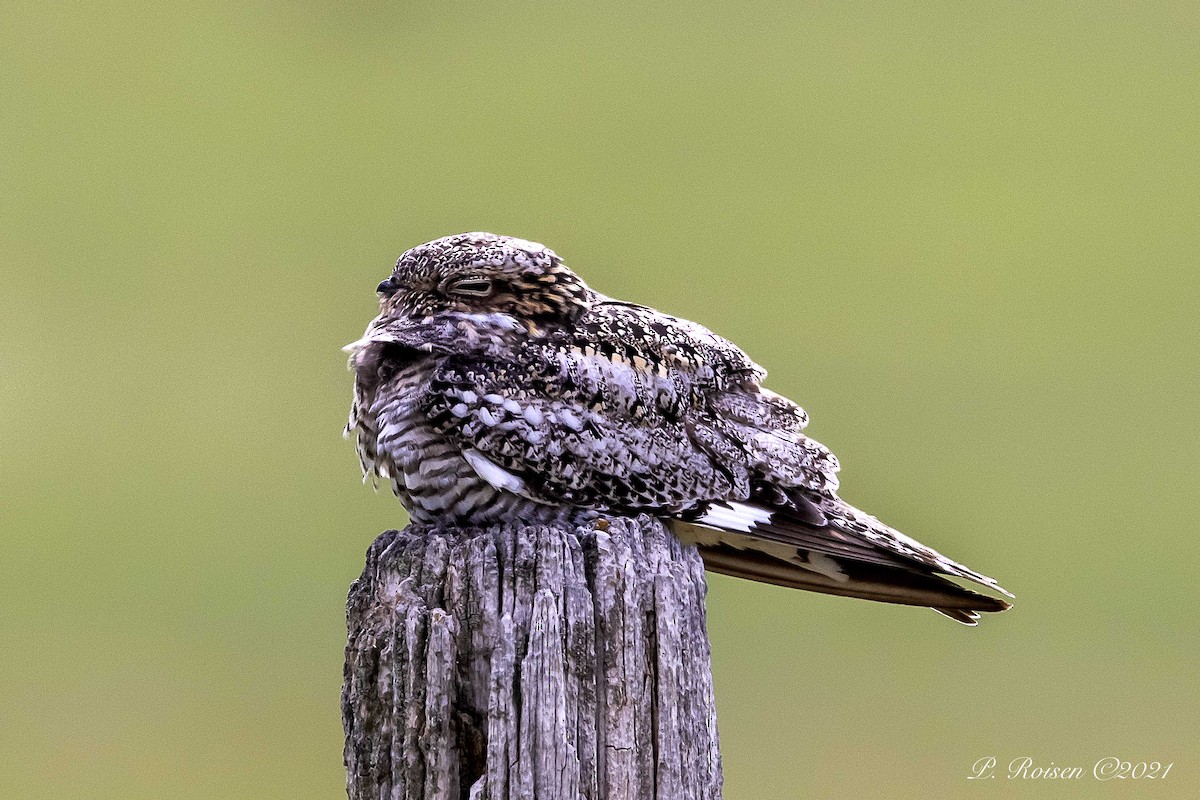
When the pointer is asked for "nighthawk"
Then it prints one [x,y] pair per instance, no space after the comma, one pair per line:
[495,385]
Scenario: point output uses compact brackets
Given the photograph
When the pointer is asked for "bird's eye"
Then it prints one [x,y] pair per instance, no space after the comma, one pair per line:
[470,287]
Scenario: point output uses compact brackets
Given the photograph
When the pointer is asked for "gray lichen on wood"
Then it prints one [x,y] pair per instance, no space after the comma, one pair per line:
[530,662]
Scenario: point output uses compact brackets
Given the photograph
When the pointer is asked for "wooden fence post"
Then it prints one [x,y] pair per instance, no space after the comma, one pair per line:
[530,662]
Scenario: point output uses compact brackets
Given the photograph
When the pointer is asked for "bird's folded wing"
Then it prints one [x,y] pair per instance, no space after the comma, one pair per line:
[560,447]
[610,415]
[676,425]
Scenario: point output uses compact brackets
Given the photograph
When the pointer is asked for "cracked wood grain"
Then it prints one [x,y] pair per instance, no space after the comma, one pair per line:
[548,662]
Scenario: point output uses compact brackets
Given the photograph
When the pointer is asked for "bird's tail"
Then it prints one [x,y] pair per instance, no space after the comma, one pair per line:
[778,546]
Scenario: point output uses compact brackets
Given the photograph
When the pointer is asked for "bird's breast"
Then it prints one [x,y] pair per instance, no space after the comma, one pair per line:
[427,468]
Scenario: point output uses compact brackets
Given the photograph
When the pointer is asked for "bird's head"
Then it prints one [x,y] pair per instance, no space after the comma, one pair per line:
[474,291]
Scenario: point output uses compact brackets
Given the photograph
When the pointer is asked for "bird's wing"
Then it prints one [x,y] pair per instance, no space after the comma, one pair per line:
[601,417]
[633,410]
[793,530]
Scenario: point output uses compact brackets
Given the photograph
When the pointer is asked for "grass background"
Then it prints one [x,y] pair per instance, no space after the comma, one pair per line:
[963,236]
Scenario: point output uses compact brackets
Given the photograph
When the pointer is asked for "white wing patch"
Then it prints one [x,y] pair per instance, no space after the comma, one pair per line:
[735,516]
[496,476]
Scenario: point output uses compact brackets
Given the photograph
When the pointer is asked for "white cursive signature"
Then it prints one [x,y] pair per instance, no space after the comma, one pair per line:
[1109,768]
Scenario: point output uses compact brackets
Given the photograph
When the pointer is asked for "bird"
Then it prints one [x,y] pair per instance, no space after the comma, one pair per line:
[496,386]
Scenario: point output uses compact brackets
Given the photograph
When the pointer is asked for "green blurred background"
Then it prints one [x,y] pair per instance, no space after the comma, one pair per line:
[964,236]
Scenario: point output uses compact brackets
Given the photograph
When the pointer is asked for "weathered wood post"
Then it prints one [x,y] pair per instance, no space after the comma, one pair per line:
[530,662]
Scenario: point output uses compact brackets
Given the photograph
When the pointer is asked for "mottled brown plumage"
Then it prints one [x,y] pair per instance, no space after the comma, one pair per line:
[496,385]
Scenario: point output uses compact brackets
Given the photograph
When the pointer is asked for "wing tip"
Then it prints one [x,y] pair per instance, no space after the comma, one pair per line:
[966,616]
[956,570]
[962,616]
[971,616]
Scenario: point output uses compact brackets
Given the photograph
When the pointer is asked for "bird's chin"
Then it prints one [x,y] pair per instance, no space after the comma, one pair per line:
[392,355]
[383,343]
[400,355]
[378,362]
